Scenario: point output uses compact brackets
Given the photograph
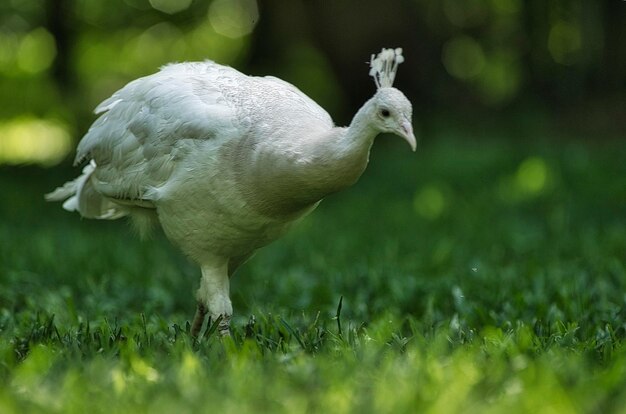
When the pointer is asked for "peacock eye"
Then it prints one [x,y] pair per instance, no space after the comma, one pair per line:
[385,113]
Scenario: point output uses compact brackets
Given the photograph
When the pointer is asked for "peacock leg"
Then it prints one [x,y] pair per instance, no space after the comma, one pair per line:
[214,295]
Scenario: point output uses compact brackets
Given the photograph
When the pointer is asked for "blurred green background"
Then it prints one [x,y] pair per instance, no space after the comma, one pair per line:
[543,63]
[484,273]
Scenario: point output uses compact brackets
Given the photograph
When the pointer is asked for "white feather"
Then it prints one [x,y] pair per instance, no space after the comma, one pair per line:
[224,162]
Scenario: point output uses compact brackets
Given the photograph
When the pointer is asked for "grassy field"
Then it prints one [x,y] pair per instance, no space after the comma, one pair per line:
[475,276]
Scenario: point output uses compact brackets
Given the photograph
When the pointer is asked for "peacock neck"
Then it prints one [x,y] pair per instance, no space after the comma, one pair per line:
[340,156]
[359,136]
[317,166]
[333,160]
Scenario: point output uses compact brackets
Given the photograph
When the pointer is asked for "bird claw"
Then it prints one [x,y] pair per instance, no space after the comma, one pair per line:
[223,322]
[198,320]
[223,328]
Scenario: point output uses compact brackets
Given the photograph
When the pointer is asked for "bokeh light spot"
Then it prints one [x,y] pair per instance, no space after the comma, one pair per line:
[532,175]
[533,178]
[206,42]
[500,79]
[37,51]
[29,140]
[153,47]
[463,57]
[430,202]
[142,369]
[565,42]
[506,6]
[170,6]
[233,18]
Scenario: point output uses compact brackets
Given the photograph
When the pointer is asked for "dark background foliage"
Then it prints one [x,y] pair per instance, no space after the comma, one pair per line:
[555,63]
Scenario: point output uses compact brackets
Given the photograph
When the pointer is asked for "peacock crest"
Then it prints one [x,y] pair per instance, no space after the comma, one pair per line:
[384,66]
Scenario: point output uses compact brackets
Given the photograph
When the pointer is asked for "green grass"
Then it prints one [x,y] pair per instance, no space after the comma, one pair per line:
[476,276]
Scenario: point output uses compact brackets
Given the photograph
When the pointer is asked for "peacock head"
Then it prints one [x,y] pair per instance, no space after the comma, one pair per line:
[393,111]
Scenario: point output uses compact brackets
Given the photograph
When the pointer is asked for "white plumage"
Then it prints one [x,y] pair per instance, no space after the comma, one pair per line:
[224,162]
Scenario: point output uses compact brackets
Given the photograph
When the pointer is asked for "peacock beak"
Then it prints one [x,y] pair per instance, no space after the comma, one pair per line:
[406,132]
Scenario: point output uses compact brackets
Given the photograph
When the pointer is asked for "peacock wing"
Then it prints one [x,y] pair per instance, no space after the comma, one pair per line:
[146,128]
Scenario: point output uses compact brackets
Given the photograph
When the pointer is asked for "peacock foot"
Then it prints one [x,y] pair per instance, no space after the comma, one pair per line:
[198,320]
[223,327]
